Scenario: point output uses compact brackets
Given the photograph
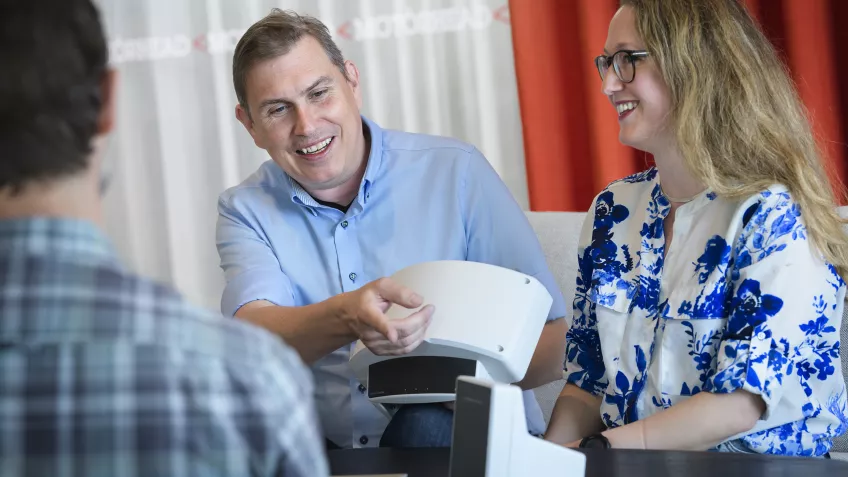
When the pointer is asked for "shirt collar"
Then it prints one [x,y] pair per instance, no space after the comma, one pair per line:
[375,160]
[664,206]
[56,238]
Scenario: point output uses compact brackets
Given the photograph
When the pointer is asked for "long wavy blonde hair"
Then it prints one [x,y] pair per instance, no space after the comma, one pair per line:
[740,124]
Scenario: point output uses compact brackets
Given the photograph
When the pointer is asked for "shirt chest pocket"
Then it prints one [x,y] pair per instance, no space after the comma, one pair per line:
[693,325]
[612,298]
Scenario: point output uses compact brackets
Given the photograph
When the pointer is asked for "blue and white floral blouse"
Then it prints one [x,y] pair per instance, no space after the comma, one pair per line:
[738,302]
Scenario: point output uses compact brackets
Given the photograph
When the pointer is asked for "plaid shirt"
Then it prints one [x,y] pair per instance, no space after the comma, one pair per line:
[106,374]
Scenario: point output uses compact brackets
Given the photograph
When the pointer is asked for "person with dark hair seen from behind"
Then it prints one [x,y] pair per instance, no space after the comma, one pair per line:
[104,373]
[308,241]
[710,288]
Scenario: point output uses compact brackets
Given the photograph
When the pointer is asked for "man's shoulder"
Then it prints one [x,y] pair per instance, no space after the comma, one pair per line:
[401,141]
[137,348]
[207,344]
[129,308]
[266,178]
[188,328]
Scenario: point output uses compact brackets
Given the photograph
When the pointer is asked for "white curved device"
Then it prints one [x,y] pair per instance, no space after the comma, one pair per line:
[490,436]
[486,324]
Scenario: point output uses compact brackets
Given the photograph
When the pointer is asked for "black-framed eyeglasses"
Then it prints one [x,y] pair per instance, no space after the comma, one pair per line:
[623,62]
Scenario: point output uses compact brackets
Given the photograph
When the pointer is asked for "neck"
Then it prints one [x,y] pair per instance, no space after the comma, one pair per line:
[675,179]
[73,198]
[345,192]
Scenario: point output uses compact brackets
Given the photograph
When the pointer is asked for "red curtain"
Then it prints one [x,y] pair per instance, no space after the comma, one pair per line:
[570,133]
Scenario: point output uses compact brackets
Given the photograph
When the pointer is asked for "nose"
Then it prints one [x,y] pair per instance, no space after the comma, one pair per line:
[305,122]
[611,84]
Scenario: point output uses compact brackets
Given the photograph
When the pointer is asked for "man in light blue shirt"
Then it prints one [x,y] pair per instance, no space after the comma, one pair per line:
[307,241]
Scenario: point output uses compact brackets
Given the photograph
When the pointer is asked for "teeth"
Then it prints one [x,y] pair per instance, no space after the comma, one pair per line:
[621,108]
[318,147]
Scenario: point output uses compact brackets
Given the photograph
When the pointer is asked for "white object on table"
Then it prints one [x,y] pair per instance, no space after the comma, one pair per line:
[485,313]
[490,437]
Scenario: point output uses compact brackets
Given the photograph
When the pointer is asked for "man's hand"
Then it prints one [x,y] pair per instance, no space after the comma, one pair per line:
[365,313]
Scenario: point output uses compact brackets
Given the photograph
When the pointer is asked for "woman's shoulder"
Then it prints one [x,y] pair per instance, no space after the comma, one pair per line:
[628,190]
[637,181]
[770,224]
[775,203]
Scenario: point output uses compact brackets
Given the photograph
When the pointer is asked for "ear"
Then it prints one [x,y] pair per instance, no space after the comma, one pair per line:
[245,119]
[106,119]
[353,80]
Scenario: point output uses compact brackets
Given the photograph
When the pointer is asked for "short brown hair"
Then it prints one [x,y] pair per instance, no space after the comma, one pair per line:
[54,62]
[274,36]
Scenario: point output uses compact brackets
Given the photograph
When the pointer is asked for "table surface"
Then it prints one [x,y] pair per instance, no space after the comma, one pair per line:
[599,462]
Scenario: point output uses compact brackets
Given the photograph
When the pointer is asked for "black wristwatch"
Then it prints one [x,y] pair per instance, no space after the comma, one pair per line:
[595,441]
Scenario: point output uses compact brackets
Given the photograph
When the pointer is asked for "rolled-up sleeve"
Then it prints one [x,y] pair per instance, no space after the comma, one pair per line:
[251,269]
[781,337]
[498,231]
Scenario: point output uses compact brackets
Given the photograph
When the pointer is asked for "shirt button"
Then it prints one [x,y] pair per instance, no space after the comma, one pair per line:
[344,224]
[363,440]
[362,388]
[352,277]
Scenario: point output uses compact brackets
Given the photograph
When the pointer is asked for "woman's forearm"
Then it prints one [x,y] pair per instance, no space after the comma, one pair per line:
[699,423]
[576,415]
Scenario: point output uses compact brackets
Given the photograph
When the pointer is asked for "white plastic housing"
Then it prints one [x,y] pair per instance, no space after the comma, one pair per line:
[502,447]
[482,312]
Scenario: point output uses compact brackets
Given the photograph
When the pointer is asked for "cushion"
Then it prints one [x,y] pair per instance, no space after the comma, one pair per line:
[559,233]
[840,444]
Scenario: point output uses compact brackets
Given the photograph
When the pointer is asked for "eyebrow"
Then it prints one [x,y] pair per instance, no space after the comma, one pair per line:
[323,80]
[621,46]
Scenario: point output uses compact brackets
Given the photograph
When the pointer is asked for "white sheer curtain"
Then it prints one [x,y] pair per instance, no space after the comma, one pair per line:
[433,66]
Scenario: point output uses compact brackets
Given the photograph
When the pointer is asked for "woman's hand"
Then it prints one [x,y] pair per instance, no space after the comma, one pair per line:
[576,414]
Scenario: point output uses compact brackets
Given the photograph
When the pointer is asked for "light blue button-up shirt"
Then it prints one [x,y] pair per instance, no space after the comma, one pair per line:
[423,198]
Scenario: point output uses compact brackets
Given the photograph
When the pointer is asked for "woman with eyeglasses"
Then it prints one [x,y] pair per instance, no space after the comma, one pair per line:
[711,287]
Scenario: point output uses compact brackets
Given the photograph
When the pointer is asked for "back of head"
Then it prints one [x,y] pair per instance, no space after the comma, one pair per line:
[739,122]
[54,60]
